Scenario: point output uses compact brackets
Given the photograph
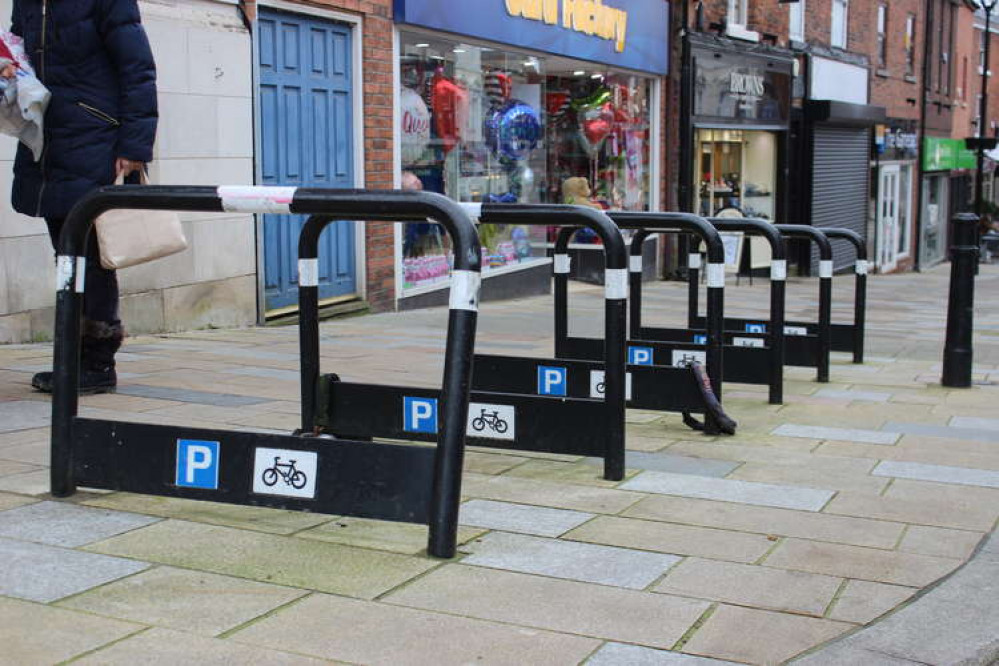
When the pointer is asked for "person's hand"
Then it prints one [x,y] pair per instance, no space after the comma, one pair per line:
[9,71]
[124,167]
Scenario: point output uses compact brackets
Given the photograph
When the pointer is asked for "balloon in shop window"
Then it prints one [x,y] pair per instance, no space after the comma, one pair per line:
[513,130]
[596,122]
[415,125]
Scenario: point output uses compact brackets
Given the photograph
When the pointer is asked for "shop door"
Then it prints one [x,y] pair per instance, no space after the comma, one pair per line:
[888,218]
[306,140]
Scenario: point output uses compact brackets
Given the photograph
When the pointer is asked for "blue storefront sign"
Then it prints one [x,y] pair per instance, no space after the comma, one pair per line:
[622,33]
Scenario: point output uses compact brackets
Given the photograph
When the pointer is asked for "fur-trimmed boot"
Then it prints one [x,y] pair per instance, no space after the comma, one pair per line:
[98,345]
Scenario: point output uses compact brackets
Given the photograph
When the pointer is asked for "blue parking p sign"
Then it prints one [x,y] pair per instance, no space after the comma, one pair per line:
[419,414]
[552,380]
[756,328]
[197,464]
[640,355]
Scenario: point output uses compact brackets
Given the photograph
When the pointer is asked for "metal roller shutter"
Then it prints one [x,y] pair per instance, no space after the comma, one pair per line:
[840,174]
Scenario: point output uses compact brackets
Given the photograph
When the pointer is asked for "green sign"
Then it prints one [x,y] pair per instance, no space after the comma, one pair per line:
[941,154]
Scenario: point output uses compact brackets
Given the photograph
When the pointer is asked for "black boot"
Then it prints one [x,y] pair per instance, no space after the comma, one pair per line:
[99,344]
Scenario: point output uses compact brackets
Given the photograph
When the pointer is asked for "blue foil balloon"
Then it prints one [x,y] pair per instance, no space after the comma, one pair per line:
[513,130]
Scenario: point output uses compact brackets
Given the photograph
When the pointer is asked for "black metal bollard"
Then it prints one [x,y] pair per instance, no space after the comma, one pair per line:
[961,304]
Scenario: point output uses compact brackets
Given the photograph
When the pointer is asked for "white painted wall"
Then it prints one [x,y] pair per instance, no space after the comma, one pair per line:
[205,137]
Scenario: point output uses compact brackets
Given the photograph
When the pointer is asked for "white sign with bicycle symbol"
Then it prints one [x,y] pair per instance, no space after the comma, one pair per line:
[491,421]
[285,472]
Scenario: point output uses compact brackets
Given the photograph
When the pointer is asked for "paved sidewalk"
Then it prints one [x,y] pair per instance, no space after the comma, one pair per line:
[822,515]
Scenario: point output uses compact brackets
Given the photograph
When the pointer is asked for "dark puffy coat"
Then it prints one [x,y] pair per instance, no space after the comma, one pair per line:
[95,59]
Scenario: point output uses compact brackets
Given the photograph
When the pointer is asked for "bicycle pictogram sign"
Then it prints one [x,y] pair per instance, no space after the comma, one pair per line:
[491,419]
[287,472]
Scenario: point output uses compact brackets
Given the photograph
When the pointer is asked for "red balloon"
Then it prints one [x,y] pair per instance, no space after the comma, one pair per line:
[595,123]
[450,102]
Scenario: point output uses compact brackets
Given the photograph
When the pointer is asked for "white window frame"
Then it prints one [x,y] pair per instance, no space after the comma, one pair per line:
[843,24]
[736,19]
[796,20]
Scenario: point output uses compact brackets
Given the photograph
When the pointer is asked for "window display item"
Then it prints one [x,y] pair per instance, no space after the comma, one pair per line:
[450,104]
[513,130]
[415,125]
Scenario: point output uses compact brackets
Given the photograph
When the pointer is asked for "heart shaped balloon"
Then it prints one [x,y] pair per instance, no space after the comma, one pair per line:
[595,125]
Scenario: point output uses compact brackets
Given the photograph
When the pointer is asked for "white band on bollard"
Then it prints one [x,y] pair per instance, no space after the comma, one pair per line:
[465,290]
[563,262]
[694,260]
[825,268]
[861,267]
[472,209]
[616,283]
[256,199]
[778,269]
[64,272]
[716,275]
[308,272]
[635,263]
[81,274]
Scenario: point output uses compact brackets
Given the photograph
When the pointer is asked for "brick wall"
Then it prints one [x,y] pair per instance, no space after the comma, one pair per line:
[892,86]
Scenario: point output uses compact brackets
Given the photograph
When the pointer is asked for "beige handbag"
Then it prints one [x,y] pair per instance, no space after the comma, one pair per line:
[130,237]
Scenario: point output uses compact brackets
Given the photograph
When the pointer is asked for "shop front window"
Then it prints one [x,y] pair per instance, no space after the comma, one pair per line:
[736,169]
[482,124]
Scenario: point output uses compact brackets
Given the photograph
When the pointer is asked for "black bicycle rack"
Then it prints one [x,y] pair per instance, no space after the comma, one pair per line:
[517,403]
[659,374]
[390,481]
[850,337]
[806,344]
[750,357]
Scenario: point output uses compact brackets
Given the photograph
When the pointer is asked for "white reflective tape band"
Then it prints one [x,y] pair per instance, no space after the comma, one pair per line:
[81,274]
[256,199]
[616,283]
[308,272]
[716,275]
[861,267]
[825,268]
[465,290]
[562,264]
[694,260]
[473,210]
[635,263]
[778,269]
[64,272]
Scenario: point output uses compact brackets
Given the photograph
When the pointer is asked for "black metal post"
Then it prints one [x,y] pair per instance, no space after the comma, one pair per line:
[308,316]
[825,291]
[860,286]
[983,115]
[957,356]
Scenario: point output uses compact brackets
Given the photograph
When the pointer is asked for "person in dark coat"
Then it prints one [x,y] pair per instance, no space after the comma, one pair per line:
[94,57]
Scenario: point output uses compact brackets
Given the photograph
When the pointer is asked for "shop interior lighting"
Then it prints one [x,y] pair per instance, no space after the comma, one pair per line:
[457,50]
[596,76]
[422,46]
[579,72]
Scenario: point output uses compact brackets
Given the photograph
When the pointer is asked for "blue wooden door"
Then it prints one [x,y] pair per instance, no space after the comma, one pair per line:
[305,93]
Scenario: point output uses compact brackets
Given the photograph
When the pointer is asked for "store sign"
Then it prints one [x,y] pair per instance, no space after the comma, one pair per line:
[898,140]
[590,17]
[943,154]
[749,89]
[618,33]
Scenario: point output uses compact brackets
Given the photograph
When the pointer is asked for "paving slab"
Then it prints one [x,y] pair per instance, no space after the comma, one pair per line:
[37,572]
[939,541]
[741,492]
[765,637]
[837,434]
[189,395]
[165,647]
[9,501]
[377,634]
[746,585]
[619,654]
[674,539]
[948,432]
[194,601]
[521,518]
[974,423]
[67,525]
[862,601]
[259,519]
[865,396]
[606,565]
[312,565]
[770,521]
[861,563]
[954,623]
[65,635]
[24,415]
[941,512]
[628,616]
[556,495]
[667,462]
[938,473]
[266,373]
[407,538]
